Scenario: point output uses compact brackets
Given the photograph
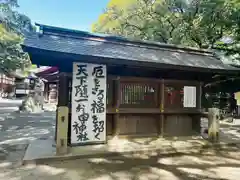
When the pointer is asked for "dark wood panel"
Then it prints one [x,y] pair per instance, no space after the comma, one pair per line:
[109,124]
[137,124]
[178,125]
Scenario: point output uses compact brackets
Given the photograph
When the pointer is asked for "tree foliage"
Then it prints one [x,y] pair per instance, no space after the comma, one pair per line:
[12,28]
[197,23]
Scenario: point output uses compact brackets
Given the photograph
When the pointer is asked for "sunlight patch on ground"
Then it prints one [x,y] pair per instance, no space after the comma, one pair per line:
[6,175]
[122,175]
[185,160]
[5,164]
[193,160]
[102,177]
[17,140]
[50,170]
[230,173]
[103,160]
[194,172]
[163,174]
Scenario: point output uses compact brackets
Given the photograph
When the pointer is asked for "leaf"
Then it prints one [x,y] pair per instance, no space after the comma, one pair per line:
[12,27]
[190,23]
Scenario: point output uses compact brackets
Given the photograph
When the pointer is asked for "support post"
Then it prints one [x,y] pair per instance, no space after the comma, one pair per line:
[116,106]
[196,120]
[62,130]
[213,124]
[162,102]
[199,94]
[62,115]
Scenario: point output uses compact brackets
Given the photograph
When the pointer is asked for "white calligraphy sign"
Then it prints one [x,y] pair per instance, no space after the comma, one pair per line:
[189,96]
[88,124]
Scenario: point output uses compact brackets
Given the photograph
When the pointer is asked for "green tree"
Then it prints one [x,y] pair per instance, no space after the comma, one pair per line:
[12,27]
[197,23]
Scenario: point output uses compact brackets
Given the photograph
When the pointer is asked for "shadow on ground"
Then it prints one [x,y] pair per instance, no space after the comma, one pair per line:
[209,163]
[17,130]
[20,127]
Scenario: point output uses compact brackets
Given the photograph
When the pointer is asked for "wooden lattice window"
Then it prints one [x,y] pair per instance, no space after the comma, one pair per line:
[109,93]
[136,94]
[173,96]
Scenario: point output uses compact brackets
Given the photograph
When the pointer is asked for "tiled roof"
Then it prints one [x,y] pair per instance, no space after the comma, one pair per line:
[87,44]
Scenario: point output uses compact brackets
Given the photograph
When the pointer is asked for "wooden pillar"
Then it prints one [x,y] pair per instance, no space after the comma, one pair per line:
[213,124]
[199,94]
[62,115]
[196,119]
[116,96]
[46,91]
[162,102]
[1,85]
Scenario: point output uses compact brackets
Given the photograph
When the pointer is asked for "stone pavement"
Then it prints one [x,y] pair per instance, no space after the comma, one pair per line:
[18,129]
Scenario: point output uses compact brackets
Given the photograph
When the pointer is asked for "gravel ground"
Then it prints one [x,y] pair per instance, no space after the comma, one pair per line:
[208,164]
[18,129]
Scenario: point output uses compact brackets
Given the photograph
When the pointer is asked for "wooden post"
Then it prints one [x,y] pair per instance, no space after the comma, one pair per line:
[213,124]
[162,101]
[196,120]
[62,116]
[116,96]
[199,94]
[46,91]
[62,130]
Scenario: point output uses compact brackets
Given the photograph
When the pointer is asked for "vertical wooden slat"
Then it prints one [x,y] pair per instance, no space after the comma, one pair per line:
[123,95]
[130,89]
[117,96]
[133,94]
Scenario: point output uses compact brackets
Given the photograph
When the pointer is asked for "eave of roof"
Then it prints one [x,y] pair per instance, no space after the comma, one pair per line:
[104,46]
[48,70]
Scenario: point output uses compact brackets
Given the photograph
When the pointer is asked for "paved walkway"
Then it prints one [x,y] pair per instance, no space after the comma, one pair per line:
[230,132]
[17,129]
[10,102]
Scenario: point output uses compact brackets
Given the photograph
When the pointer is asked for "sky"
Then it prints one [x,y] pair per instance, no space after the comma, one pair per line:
[72,14]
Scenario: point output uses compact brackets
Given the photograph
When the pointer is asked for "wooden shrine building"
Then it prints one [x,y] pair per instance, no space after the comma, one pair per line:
[112,86]
[50,74]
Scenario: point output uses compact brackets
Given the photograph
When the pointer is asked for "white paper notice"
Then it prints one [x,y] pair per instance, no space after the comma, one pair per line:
[189,96]
[88,103]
